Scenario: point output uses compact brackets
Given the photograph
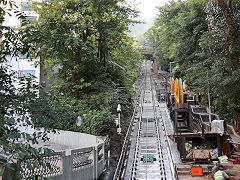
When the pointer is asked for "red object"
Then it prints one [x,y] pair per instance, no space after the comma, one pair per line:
[239,146]
[231,161]
[181,106]
[235,159]
[197,171]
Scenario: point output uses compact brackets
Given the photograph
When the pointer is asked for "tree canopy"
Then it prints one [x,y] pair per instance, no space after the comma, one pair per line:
[16,144]
[82,38]
[86,46]
[202,38]
[95,61]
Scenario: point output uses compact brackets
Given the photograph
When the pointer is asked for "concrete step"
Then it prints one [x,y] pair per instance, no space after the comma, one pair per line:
[183,130]
[184,172]
[183,169]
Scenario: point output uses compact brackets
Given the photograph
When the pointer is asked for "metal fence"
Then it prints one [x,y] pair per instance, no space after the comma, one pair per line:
[77,164]
[55,168]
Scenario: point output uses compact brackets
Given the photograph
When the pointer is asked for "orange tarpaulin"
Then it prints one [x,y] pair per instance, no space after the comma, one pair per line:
[172,86]
[176,95]
[181,90]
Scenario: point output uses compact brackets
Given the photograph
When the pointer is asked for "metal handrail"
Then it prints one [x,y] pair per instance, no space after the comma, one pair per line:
[200,121]
[173,166]
[158,133]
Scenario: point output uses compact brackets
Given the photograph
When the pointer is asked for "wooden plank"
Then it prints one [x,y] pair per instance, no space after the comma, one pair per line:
[201,154]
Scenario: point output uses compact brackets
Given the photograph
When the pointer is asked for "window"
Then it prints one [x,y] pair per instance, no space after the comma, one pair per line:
[25,6]
[23,56]
[26,73]
[29,20]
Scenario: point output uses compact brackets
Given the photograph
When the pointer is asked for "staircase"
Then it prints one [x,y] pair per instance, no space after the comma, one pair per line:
[182,125]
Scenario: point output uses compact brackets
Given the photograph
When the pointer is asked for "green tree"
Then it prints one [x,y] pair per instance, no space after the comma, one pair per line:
[14,114]
[203,38]
[220,53]
[59,112]
[78,37]
[177,31]
[222,49]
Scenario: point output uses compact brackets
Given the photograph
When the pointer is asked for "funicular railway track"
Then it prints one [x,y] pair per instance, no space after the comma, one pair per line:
[146,153]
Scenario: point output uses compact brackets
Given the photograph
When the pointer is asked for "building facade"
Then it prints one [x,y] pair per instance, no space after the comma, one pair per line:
[24,66]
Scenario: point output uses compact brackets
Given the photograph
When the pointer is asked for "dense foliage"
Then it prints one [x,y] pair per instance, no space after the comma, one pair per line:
[16,144]
[86,42]
[202,39]
[60,112]
[86,47]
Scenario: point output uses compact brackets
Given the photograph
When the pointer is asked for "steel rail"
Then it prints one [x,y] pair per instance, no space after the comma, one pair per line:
[147,127]
[118,170]
[139,129]
[158,122]
[158,135]
[173,166]
[136,148]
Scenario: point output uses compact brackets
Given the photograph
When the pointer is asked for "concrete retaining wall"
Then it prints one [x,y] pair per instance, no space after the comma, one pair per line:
[74,139]
[84,160]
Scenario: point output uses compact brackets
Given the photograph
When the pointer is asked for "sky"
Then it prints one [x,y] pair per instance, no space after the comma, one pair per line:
[148,7]
[148,11]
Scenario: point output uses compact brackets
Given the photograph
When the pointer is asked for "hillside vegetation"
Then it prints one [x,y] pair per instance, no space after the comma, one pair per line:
[202,38]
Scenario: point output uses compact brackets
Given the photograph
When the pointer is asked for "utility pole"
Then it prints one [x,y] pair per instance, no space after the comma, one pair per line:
[209,100]
[119,116]
[166,77]
[171,67]
[170,76]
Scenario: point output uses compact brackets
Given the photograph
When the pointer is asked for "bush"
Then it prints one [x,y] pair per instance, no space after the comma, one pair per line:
[96,122]
[59,113]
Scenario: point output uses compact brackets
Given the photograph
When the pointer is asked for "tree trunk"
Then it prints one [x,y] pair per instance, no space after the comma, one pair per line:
[229,2]
[101,52]
[232,30]
[236,118]
[75,90]
[100,48]
[74,76]
[1,7]
[229,20]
